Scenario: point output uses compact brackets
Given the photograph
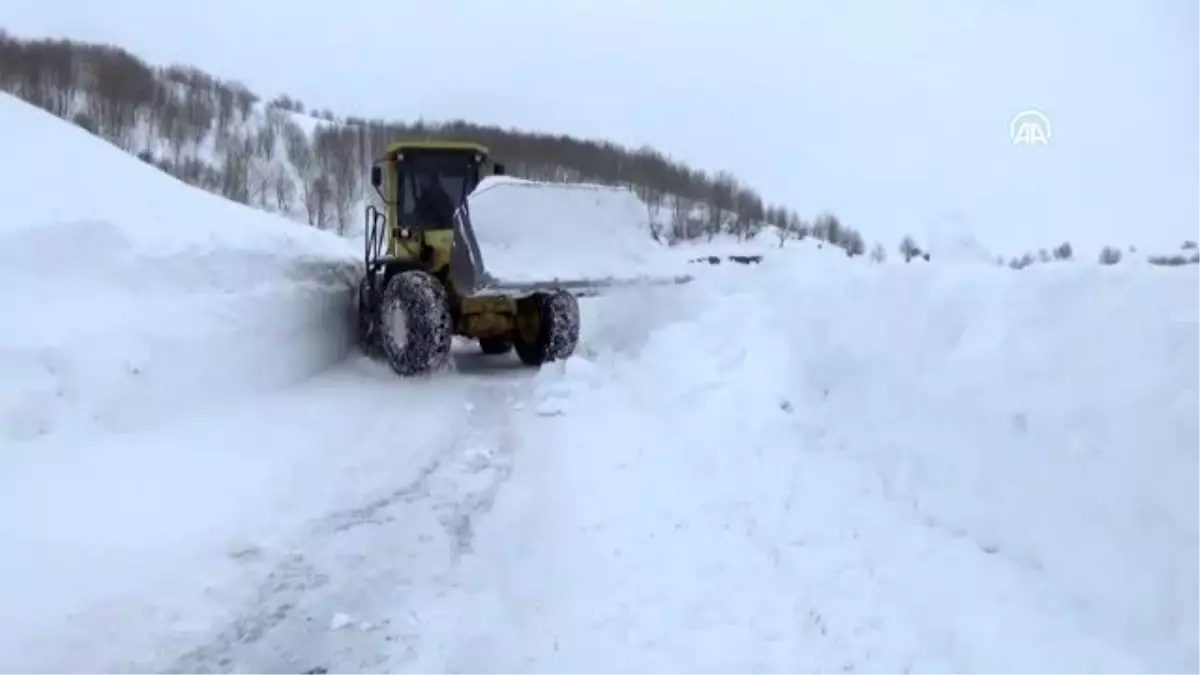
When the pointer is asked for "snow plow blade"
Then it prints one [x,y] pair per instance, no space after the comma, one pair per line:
[514,237]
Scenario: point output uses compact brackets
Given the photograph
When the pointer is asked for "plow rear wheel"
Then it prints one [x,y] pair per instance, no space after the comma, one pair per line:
[557,328]
[414,323]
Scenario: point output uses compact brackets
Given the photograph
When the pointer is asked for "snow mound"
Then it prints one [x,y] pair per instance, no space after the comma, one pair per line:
[891,468]
[128,294]
[531,231]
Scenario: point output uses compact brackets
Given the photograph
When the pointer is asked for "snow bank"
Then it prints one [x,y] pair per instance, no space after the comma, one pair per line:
[128,294]
[1048,417]
[867,468]
[530,231]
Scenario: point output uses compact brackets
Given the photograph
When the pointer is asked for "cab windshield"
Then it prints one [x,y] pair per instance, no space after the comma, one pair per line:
[431,187]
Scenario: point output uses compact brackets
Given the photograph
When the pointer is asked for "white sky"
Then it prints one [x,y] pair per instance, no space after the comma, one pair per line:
[892,113]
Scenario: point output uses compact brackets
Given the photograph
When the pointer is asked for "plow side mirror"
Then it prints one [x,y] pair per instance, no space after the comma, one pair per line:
[498,169]
[376,176]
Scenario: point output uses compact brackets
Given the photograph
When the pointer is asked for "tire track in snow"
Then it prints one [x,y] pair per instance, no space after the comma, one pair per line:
[330,599]
[396,555]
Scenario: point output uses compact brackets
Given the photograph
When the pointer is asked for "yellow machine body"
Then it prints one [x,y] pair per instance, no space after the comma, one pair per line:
[431,247]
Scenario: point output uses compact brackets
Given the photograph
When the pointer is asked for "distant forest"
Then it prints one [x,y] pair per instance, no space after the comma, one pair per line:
[218,135]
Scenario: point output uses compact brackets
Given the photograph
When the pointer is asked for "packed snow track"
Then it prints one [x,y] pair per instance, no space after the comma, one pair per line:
[805,465]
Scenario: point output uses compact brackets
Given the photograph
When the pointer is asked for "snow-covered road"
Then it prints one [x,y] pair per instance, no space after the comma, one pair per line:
[719,481]
[204,539]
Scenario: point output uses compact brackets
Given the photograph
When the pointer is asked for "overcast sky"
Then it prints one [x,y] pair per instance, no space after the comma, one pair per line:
[894,114]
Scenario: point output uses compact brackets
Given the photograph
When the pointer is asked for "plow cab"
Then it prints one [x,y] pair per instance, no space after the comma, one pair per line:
[424,187]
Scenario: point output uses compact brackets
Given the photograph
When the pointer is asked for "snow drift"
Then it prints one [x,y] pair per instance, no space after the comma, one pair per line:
[882,468]
[531,231]
[127,293]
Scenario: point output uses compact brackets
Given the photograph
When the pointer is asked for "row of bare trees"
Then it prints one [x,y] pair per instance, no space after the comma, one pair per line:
[209,132]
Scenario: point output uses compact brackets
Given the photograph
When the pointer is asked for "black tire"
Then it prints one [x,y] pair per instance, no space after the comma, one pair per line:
[558,329]
[495,346]
[415,327]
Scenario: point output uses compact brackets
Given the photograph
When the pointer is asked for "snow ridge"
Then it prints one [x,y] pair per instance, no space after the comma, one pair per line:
[132,295]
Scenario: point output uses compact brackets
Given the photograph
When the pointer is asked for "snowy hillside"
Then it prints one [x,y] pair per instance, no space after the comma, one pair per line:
[309,164]
[130,294]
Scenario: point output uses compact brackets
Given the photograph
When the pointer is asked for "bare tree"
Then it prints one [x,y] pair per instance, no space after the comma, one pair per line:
[681,216]
[235,168]
[244,99]
[1022,262]
[299,151]
[198,115]
[1110,255]
[748,213]
[801,229]
[224,106]
[827,227]
[852,242]
[784,231]
[261,172]
[315,189]
[51,75]
[721,197]
[318,193]
[337,155]
[283,187]
[787,224]
[652,196]
[121,91]
[269,132]
[173,125]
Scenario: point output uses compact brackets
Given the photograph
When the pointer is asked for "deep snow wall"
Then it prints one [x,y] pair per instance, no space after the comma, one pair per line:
[1047,415]
[1039,427]
[127,294]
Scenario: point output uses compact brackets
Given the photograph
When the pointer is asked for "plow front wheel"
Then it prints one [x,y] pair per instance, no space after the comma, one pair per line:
[414,323]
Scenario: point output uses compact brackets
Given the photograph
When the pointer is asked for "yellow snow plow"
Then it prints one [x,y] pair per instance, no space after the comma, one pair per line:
[458,248]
